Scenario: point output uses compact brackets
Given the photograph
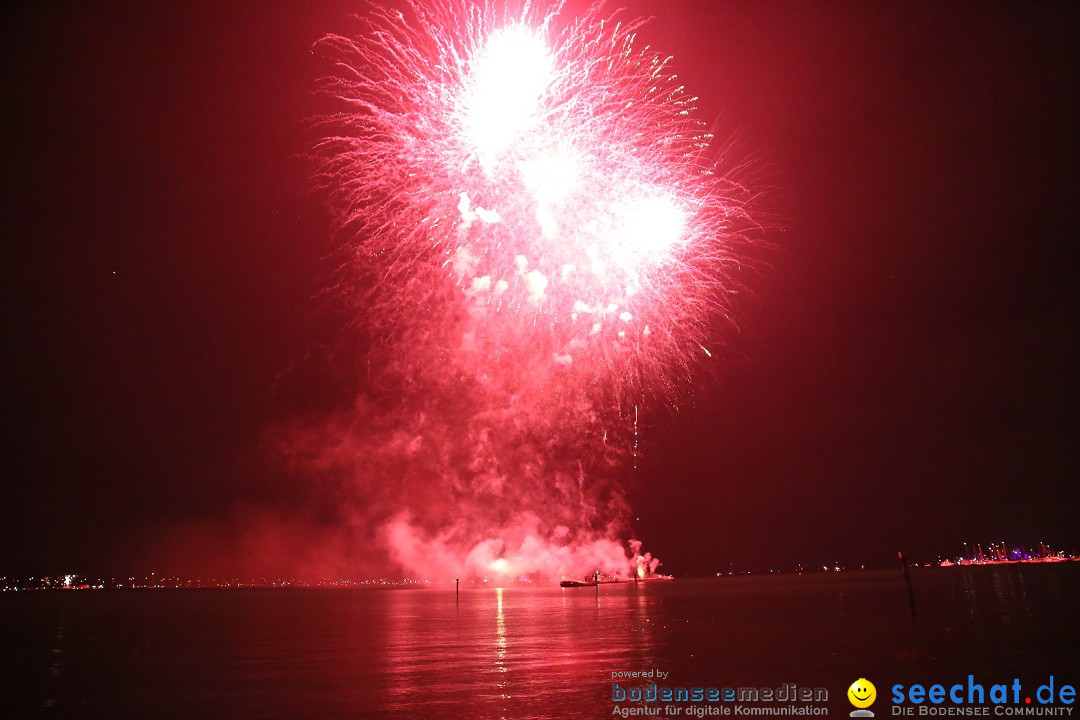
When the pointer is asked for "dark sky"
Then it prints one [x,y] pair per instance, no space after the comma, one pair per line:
[904,370]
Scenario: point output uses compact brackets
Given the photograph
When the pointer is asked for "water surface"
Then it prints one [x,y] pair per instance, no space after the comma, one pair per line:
[523,652]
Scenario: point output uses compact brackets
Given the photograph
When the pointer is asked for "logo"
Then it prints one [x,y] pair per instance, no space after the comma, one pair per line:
[862,694]
[972,698]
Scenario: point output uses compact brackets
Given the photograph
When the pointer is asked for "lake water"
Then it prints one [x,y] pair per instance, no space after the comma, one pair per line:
[524,652]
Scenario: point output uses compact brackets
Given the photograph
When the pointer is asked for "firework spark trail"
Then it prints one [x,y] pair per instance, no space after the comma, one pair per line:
[534,225]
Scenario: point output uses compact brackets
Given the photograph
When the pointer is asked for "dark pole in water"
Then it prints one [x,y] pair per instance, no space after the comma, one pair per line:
[907,579]
[457,588]
[596,581]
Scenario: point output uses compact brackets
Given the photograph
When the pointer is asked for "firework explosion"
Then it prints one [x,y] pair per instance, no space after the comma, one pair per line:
[538,241]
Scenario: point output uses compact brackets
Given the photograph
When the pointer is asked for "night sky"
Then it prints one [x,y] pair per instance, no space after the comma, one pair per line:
[903,369]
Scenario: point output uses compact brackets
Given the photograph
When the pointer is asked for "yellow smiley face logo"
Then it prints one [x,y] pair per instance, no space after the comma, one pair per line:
[862,693]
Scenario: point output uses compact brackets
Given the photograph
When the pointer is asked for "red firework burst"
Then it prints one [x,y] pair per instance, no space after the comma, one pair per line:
[531,190]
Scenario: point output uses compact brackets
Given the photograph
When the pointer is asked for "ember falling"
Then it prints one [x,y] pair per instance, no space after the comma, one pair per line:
[538,236]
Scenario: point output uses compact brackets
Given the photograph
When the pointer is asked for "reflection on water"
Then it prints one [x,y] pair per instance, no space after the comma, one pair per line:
[500,646]
[522,652]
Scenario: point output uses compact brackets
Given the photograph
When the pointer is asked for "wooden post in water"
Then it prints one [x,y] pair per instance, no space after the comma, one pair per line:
[457,589]
[907,579]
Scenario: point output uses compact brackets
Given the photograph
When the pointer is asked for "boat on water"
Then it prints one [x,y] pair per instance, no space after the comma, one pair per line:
[613,581]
